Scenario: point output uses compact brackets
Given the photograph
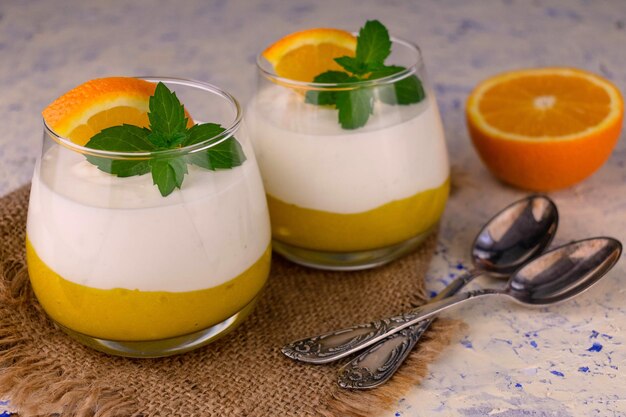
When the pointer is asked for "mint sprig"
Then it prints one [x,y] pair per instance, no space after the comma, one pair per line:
[168,130]
[356,104]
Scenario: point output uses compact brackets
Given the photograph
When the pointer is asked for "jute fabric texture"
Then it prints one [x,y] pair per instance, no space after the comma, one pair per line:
[45,373]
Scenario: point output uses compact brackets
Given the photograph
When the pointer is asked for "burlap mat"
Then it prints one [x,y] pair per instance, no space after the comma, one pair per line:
[44,373]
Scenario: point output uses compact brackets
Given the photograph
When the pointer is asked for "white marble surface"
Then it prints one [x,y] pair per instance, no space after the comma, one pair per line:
[563,361]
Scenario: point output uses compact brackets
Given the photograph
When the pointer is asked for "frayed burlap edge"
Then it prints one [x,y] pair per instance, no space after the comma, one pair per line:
[352,403]
[34,383]
[37,386]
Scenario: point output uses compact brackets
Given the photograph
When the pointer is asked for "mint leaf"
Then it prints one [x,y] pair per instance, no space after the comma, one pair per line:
[167,115]
[200,133]
[385,71]
[168,130]
[373,45]
[168,174]
[125,138]
[352,65]
[167,141]
[409,90]
[327,97]
[225,155]
[355,107]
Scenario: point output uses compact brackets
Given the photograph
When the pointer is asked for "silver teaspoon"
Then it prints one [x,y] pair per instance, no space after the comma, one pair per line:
[554,276]
[515,235]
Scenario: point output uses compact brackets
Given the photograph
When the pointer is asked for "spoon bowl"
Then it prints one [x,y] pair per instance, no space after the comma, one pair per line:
[553,277]
[565,272]
[515,235]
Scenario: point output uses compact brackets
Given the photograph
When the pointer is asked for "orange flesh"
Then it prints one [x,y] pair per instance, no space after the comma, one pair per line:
[544,129]
[308,61]
[573,105]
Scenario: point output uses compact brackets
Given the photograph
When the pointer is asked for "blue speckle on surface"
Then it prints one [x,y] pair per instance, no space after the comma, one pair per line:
[518,385]
[169,37]
[607,336]
[6,414]
[397,414]
[556,13]
[533,343]
[594,334]
[557,373]
[583,369]
[596,347]
[433,294]
[467,344]
[302,9]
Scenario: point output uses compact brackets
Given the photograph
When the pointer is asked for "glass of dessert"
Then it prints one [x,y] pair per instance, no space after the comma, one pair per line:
[351,148]
[148,232]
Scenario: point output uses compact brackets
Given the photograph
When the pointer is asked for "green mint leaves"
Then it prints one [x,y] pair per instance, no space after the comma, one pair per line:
[373,45]
[356,104]
[168,130]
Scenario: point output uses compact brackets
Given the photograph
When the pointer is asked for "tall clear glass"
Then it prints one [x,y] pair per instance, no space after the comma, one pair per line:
[348,197]
[127,271]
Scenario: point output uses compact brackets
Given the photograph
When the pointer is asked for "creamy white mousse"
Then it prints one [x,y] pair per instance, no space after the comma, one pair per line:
[307,159]
[101,231]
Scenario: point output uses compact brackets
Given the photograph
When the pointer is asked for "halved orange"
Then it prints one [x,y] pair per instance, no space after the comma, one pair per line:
[544,129]
[303,55]
[97,104]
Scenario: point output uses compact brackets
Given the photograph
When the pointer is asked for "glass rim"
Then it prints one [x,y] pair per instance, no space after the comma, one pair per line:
[197,147]
[390,79]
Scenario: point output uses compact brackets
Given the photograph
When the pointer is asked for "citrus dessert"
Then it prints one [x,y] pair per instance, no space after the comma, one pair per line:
[353,159]
[124,253]
[546,128]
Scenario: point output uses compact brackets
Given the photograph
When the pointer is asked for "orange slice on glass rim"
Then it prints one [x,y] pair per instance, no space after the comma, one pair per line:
[544,129]
[302,55]
[97,104]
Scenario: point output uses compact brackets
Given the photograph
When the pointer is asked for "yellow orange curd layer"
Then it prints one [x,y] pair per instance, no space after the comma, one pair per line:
[386,225]
[131,315]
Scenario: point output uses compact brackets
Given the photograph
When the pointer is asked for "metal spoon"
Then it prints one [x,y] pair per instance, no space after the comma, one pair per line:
[553,277]
[518,233]
[529,226]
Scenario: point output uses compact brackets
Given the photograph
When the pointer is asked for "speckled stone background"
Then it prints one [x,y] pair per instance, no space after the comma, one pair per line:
[567,360]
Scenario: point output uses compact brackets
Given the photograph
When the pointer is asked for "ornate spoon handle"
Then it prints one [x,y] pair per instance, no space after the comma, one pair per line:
[341,343]
[376,365]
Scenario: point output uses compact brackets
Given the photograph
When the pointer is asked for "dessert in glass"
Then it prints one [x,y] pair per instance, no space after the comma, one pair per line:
[344,194]
[123,268]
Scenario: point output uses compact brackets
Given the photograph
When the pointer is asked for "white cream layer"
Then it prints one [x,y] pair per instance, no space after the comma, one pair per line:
[106,232]
[307,159]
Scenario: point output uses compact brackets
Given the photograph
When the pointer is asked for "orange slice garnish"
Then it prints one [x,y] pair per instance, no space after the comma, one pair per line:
[303,55]
[544,129]
[97,104]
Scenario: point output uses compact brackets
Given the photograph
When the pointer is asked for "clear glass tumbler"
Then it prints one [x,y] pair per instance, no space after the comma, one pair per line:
[129,272]
[344,197]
